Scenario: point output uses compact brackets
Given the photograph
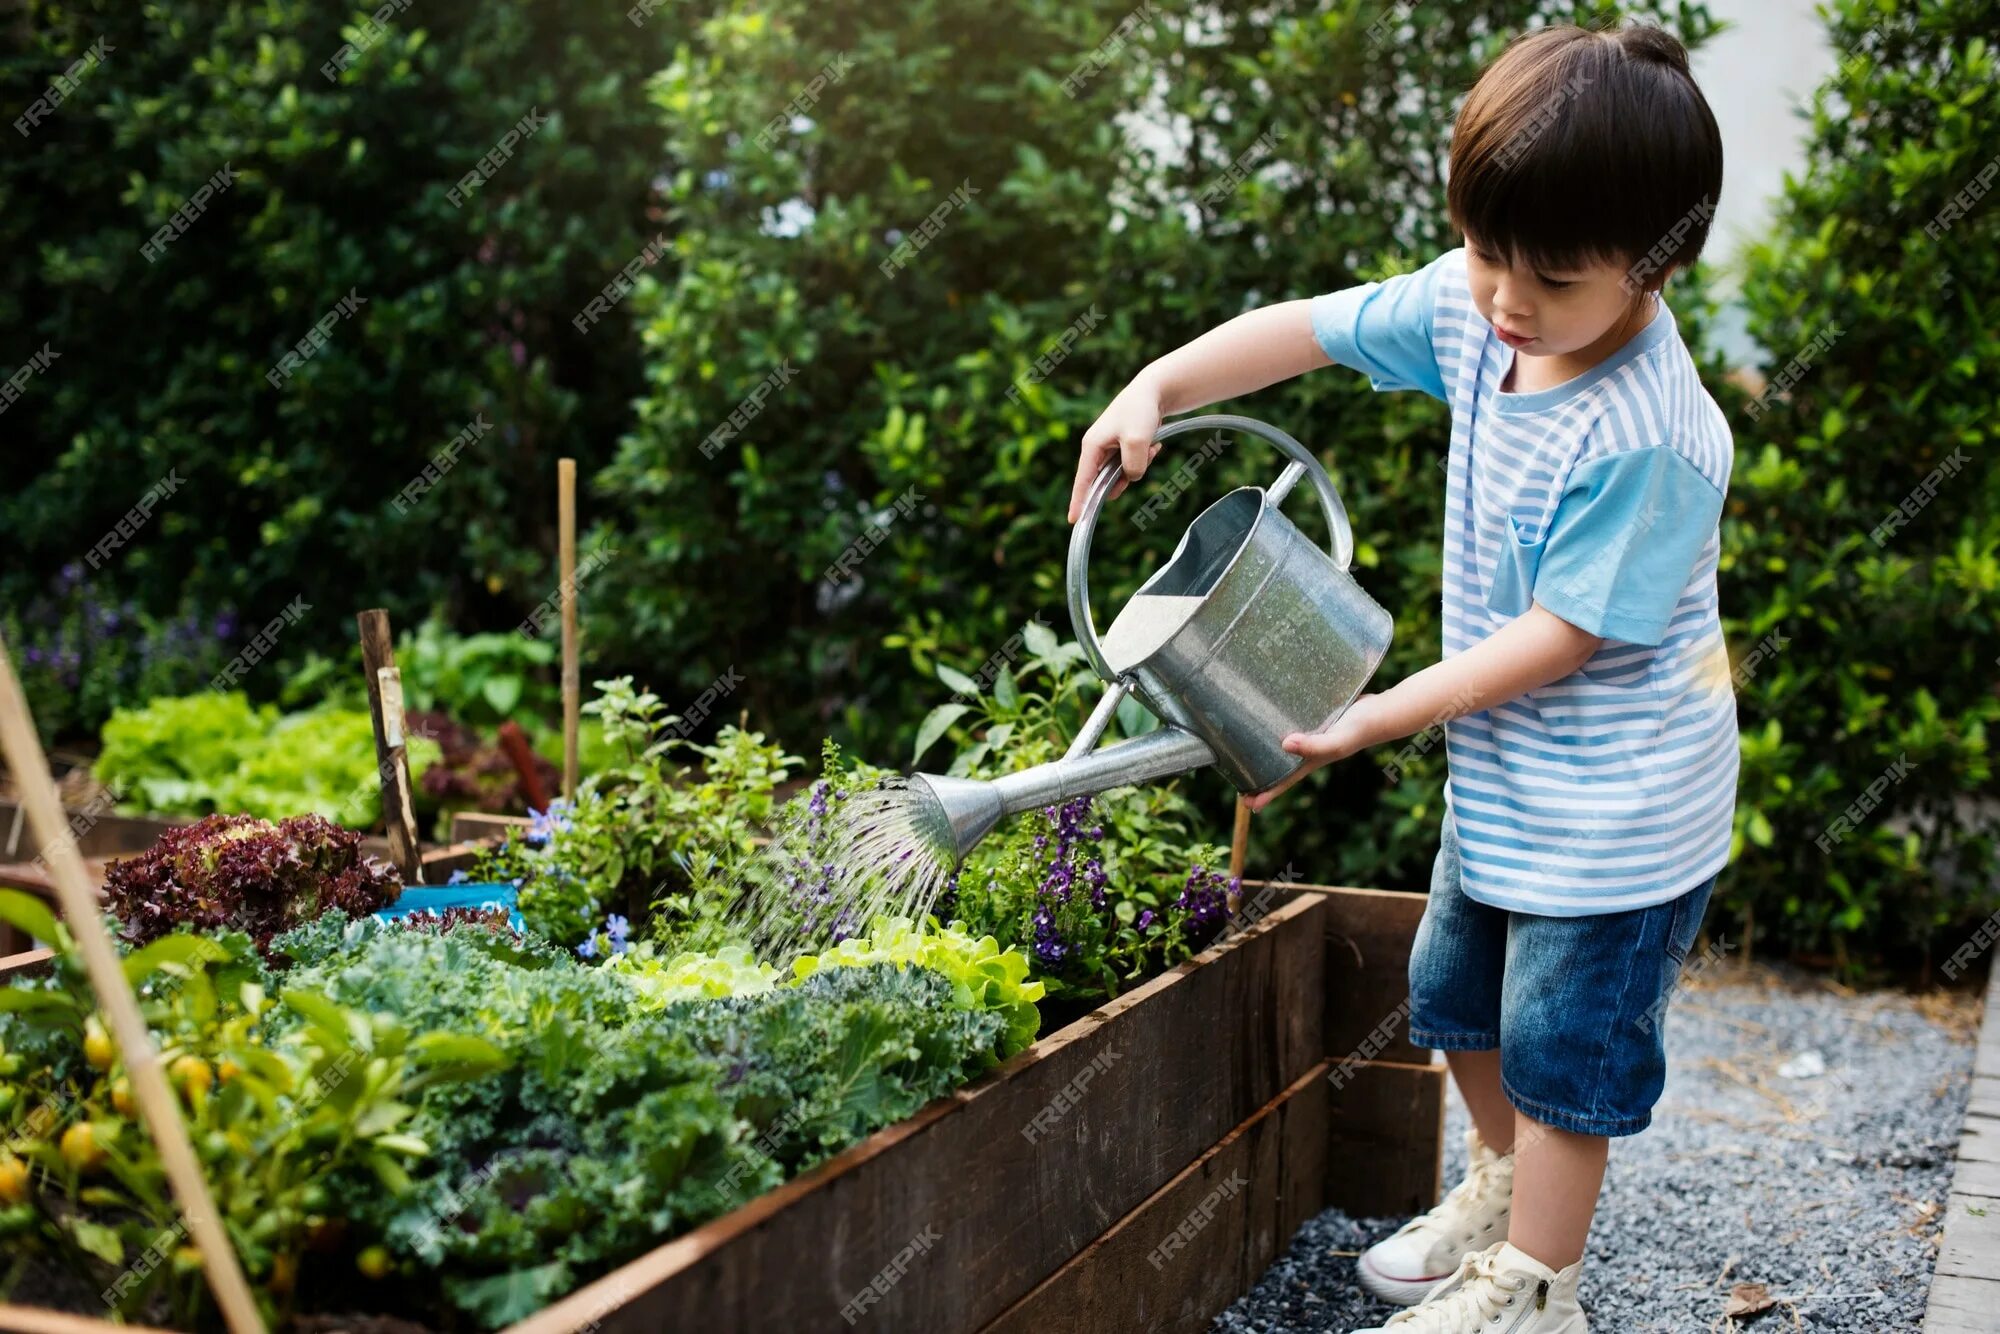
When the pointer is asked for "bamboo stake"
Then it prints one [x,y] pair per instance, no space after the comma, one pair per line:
[392,756]
[572,687]
[23,750]
[1239,844]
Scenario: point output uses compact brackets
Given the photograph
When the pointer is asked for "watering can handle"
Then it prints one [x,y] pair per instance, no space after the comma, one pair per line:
[1340,537]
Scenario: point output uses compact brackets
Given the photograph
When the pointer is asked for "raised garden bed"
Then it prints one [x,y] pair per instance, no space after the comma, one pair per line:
[1137,1169]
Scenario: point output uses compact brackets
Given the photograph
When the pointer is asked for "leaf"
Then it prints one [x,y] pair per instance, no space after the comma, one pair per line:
[175,949]
[461,1051]
[502,692]
[321,1012]
[935,724]
[1134,718]
[1005,690]
[99,1240]
[957,680]
[507,1298]
[1748,1299]
[1041,640]
[16,999]
[28,914]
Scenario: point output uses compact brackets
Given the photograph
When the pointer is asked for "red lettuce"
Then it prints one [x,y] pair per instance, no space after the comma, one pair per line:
[249,875]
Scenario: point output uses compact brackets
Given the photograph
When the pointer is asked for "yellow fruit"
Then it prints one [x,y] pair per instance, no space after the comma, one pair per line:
[121,1098]
[226,1070]
[98,1048]
[13,1180]
[192,1074]
[373,1262]
[80,1148]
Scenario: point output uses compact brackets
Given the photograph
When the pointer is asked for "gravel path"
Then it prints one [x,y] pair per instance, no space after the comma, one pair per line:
[1827,1188]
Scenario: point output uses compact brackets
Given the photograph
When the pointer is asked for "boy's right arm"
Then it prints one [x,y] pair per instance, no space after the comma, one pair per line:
[1257,348]
[1381,329]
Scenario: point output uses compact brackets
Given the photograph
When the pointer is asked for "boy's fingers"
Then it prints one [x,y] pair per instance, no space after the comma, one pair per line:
[1145,450]
[1089,463]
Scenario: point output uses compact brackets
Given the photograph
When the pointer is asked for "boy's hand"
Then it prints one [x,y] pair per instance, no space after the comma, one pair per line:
[1125,430]
[1353,731]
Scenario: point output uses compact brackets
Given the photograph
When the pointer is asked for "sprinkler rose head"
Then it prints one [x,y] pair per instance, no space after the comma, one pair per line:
[954,813]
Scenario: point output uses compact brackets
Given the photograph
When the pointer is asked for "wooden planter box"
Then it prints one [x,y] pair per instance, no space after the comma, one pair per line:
[1137,1170]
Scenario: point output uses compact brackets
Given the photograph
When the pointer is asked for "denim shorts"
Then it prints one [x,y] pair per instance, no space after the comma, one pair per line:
[1575,1004]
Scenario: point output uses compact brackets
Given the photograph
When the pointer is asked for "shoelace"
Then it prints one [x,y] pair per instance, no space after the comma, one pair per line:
[1482,1296]
[1478,1180]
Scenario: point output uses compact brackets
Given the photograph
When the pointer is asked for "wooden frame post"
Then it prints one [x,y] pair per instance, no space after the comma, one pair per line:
[392,758]
[572,686]
[158,1110]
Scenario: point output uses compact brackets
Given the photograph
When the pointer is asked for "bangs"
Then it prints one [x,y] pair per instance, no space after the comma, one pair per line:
[1579,147]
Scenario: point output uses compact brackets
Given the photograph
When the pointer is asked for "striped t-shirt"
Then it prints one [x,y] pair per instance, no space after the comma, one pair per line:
[1615,787]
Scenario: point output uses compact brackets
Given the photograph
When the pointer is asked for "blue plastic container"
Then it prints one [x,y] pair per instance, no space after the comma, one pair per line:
[496,894]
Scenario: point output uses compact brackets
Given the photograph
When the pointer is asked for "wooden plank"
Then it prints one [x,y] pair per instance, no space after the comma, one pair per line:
[1959,1305]
[471,826]
[1369,935]
[965,1207]
[1970,1246]
[392,762]
[1386,1128]
[35,1320]
[1201,1240]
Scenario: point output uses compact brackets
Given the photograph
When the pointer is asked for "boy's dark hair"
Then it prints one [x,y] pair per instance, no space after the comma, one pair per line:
[1578,145]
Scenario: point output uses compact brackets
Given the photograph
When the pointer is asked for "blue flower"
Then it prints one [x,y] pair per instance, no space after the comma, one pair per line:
[459,877]
[545,825]
[588,949]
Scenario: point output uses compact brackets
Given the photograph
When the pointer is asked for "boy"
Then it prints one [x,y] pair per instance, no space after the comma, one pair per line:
[1584,691]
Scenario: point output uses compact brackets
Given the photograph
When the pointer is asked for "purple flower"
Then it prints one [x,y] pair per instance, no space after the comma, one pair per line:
[545,825]
[1146,920]
[459,877]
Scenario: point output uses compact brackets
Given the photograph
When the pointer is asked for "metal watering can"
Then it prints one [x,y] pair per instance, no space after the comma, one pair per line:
[1281,641]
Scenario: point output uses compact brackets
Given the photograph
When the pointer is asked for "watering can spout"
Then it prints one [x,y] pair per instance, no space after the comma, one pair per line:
[958,812]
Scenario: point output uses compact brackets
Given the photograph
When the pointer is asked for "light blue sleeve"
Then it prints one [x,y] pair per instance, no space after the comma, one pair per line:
[1624,541]
[1384,329]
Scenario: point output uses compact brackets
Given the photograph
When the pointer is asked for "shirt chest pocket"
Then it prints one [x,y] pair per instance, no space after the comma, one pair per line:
[1512,589]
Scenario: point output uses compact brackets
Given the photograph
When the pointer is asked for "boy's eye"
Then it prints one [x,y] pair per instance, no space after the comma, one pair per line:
[1556,283]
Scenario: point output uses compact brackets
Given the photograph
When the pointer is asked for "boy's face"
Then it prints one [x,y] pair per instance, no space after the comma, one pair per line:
[1549,312]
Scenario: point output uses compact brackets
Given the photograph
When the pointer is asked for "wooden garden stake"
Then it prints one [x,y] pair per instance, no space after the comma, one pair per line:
[571,683]
[392,759]
[23,751]
[1239,839]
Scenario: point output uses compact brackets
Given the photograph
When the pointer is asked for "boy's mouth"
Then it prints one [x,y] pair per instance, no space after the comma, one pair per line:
[1510,338]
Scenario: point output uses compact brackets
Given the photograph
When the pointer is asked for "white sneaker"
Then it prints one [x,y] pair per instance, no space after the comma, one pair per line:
[1500,1290]
[1423,1253]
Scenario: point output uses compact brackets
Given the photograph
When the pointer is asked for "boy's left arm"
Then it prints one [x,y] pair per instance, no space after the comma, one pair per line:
[1530,651]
